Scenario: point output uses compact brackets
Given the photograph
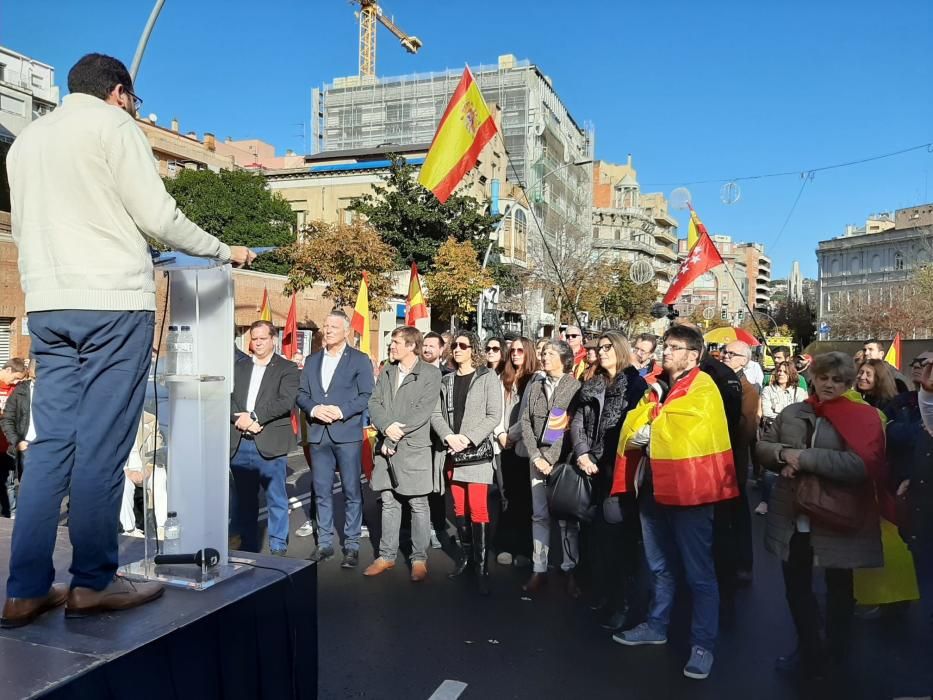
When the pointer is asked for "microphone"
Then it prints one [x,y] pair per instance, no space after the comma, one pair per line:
[208,557]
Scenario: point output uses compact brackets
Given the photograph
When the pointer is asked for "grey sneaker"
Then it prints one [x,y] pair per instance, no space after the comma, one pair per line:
[435,543]
[364,532]
[305,530]
[637,636]
[700,663]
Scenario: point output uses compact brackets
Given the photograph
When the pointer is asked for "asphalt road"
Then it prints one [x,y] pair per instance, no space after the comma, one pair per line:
[386,638]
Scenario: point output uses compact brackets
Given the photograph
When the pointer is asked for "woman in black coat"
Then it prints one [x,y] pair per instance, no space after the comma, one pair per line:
[612,552]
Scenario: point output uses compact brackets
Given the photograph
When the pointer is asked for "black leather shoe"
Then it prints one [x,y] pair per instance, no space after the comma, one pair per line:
[322,554]
[350,559]
[615,622]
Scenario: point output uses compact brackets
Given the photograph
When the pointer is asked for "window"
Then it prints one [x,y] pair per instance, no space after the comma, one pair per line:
[5,336]
[13,105]
[37,81]
[898,260]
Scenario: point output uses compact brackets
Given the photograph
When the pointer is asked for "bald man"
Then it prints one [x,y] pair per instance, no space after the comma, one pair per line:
[574,337]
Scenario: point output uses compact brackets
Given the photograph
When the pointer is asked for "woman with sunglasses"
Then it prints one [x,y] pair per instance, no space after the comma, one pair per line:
[495,358]
[612,537]
[513,534]
[467,413]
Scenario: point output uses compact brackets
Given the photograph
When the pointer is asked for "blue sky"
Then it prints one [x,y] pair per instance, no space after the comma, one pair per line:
[694,90]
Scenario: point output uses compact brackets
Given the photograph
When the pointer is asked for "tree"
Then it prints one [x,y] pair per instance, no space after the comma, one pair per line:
[456,281]
[337,254]
[617,301]
[235,206]
[799,317]
[412,220]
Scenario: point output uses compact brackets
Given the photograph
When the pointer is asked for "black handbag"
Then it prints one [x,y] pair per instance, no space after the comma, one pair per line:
[482,452]
[569,493]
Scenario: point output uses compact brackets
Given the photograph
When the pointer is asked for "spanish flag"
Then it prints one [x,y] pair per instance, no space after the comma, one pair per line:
[360,321]
[265,311]
[370,434]
[893,355]
[415,307]
[466,127]
[691,455]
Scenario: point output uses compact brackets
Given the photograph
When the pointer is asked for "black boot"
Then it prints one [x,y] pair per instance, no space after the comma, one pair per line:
[465,555]
[480,530]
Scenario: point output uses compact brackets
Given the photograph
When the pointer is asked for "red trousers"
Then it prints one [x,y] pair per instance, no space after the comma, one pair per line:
[472,499]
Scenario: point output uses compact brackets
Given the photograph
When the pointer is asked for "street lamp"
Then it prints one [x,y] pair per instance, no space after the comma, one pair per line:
[144,39]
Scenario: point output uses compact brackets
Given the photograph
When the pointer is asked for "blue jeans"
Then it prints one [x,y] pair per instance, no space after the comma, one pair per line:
[250,471]
[86,405]
[326,457]
[673,533]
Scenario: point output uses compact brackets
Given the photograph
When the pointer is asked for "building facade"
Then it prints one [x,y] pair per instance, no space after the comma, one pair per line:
[758,272]
[872,264]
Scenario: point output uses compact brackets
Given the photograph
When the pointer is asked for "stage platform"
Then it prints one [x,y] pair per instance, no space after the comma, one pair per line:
[252,636]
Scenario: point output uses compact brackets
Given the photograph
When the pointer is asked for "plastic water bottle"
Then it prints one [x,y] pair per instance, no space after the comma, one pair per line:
[171,358]
[171,543]
[184,350]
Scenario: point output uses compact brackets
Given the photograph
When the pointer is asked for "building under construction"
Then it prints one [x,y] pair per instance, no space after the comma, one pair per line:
[549,152]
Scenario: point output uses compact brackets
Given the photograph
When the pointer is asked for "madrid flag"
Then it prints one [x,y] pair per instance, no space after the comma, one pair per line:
[466,127]
[702,258]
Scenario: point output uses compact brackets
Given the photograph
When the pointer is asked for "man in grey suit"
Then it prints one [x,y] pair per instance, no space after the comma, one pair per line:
[264,390]
[400,409]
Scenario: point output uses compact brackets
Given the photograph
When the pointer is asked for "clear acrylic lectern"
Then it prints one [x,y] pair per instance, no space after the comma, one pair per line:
[194,380]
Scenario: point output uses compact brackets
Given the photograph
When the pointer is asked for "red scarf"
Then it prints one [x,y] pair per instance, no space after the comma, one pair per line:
[862,429]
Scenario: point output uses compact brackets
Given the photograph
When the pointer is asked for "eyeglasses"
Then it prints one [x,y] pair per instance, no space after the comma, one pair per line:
[493,348]
[516,351]
[462,346]
[137,101]
[573,335]
[605,347]
[641,351]
[674,348]
[728,353]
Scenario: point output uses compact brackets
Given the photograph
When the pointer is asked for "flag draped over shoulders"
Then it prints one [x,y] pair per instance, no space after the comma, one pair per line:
[690,452]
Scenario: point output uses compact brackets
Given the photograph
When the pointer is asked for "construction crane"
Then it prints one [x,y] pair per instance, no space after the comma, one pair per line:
[369,13]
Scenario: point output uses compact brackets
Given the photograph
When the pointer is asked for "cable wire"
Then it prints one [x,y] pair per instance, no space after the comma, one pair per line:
[806,178]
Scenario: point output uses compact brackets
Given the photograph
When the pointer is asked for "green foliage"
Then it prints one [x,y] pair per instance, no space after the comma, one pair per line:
[615,300]
[236,207]
[456,281]
[410,218]
[800,319]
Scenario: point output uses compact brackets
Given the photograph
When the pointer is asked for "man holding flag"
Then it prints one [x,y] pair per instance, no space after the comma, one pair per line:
[675,453]
[336,384]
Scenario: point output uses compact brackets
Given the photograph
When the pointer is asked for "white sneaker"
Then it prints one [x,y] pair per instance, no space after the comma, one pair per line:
[134,533]
[364,532]
[305,530]
[504,558]
[762,508]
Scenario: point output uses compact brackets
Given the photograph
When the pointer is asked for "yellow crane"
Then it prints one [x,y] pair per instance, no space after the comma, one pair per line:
[369,13]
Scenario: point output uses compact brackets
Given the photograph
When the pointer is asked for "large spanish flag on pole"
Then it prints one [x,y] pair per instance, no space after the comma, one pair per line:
[466,127]
[360,321]
[415,307]
[691,455]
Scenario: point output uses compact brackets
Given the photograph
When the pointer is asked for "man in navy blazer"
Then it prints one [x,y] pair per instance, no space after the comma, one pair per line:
[336,384]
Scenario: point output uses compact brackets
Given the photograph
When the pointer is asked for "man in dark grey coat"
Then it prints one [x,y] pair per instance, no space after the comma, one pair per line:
[400,409]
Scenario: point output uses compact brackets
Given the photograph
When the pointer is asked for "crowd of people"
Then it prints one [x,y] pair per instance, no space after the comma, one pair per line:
[657,441]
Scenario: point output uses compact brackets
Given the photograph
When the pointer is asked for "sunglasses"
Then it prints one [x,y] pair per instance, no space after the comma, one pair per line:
[918,363]
[516,351]
[573,335]
[493,348]
[462,346]
[605,347]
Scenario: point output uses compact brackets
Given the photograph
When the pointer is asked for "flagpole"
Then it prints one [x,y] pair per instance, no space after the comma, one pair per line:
[547,247]
[751,313]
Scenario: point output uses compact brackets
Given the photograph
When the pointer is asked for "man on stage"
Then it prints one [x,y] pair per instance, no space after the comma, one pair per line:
[84,191]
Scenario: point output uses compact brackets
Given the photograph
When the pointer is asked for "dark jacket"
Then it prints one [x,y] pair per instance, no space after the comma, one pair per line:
[15,421]
[910,454]
[274,404]
[745,433]
[596,425]
[349,390]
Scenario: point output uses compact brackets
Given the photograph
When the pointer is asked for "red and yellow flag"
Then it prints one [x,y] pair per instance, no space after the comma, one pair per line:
[370,434]
[415,307]
[265,311]
[360,321]
[703,257]
[893,355]
[691,455]
[466,127]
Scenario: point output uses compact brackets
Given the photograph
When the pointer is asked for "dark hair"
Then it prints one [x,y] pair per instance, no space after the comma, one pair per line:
[622,349]
[437,336]
[500,365]
[885,387]
[562,348]
[873,341]
[477,357]
[16,364]
[259,324]
[410,336]
[649,337]
[516,379]
[688,335]
[97,75]
[782,349]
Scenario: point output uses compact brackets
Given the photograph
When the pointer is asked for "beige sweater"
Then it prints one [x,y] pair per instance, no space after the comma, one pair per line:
[84,188]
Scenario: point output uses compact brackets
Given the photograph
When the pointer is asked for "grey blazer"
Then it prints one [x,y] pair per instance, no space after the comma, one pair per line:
[534,417]
[410,404]
[483,413]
